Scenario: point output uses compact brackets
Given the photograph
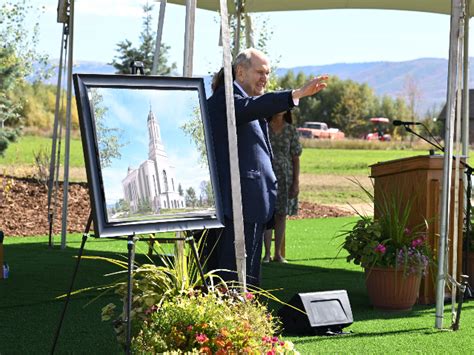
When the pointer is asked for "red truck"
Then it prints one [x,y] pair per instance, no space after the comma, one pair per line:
[319,130]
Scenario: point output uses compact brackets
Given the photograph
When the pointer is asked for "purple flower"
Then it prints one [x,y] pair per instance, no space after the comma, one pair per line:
[380,249]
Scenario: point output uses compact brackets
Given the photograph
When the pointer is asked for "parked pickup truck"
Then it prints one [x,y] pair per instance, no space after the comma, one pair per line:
[319,130]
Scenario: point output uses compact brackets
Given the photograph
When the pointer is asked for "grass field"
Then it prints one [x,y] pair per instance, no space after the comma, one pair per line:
[324,172]
[23,151]
[30,312]
[347,162]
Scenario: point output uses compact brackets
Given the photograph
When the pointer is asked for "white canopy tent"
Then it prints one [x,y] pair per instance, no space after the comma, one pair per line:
[434,6]
[458,58]
[460,12]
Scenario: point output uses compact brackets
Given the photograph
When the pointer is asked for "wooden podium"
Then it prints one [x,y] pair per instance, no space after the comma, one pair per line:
[420,178]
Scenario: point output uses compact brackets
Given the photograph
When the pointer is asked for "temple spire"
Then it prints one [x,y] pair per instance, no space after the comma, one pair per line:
[155,143]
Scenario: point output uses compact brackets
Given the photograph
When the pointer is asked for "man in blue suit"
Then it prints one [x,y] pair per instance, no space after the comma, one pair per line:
[258,182]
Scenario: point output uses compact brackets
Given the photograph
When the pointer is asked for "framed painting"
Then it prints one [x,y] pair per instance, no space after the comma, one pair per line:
[148,154]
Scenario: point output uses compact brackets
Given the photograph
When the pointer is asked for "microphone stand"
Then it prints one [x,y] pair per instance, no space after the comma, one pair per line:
[468,170]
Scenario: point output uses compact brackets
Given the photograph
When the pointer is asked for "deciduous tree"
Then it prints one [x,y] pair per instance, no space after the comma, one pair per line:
[191,198]
[109,139]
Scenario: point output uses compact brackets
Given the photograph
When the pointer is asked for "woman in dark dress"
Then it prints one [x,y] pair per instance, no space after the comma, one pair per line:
[286,164]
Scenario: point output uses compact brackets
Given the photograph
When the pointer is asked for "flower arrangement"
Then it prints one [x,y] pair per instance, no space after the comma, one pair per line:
[173,313]
[218,322]
[388,240]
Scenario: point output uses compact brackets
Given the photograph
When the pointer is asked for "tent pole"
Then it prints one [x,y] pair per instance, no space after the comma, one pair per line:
[465,145]
[189,38]
[465,100]
[68,126]
[249,39]
[238,17]
[52,162]
[447,161]
[159,34]
[457,155]
[233,155]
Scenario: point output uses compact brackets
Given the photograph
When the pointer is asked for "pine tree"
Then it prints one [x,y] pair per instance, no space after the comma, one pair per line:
[145,52]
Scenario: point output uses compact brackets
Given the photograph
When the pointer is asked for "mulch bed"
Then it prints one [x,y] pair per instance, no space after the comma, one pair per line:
[24,208]
[312,210]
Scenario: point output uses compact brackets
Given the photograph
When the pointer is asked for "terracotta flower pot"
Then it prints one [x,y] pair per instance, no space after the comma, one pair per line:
[390,290]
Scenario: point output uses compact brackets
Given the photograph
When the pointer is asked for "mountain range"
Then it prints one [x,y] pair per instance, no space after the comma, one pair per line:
[429,75]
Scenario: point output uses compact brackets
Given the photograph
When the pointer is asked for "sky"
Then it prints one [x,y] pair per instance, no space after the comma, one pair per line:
[297,38]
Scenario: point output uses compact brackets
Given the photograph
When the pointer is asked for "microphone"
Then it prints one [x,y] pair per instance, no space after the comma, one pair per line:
[399,123]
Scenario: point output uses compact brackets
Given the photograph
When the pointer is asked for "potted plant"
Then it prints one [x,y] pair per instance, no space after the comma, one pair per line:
[394,254]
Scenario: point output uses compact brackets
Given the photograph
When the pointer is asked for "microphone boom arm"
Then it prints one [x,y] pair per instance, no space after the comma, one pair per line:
[436,145]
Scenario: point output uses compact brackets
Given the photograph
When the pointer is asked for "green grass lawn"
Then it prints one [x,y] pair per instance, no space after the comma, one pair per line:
[348,161]
[23,151]
[29,313]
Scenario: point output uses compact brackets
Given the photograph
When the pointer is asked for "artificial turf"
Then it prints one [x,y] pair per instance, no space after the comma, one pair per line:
[29,312]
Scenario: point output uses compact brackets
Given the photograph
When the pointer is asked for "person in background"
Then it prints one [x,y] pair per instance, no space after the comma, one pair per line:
[257,179]
[286,165]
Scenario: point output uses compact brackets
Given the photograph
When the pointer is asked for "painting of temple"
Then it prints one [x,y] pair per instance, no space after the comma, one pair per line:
[154,181]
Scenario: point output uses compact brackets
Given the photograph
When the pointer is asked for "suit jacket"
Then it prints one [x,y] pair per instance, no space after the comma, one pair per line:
[257,179]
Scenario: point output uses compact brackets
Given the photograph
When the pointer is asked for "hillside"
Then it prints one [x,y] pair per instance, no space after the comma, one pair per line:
[389,78]
[386,78]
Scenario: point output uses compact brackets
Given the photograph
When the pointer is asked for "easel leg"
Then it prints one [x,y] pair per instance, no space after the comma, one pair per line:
[198,262]
[151,244]
[179,253]
[131,257]
[50,235]
[68,297]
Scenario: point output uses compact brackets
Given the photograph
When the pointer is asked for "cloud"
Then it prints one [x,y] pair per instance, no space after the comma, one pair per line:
[189,171]
[113,184]
[123,114]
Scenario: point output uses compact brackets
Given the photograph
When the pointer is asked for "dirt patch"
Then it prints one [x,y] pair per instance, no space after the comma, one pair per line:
[24,208]
[312,210]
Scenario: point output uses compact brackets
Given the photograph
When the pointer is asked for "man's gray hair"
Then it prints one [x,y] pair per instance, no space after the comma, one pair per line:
[245,56]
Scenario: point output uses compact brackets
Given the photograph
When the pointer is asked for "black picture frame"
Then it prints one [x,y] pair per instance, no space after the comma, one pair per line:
[154,200]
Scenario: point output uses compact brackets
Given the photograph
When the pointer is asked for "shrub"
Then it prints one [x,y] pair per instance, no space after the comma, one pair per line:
[173,312]
[7,135]
[217,322]
[3,144]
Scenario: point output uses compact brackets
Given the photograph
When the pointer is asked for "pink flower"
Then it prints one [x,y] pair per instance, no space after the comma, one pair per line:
[249,296]
[151,310]
[271,352]
[201,338]
[189,328]
[275,340]
[380,249]
[266,339]
[407,231]
[416,242]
